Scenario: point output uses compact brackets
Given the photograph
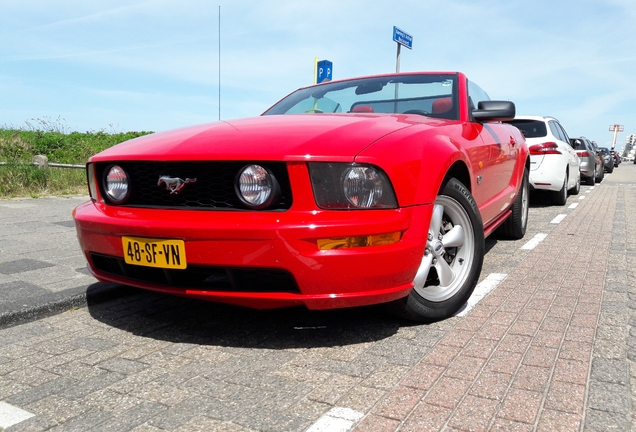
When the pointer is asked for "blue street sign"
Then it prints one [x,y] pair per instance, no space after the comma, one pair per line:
[402,37]
[325,71]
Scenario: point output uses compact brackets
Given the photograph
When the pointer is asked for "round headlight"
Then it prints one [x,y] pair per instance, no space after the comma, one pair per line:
[116,184]
[362,186]
[257,187]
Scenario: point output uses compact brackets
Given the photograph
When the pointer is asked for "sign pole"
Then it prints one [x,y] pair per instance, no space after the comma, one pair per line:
[219,62]
[401,38]
[614,140]
[616,128]
[397,70]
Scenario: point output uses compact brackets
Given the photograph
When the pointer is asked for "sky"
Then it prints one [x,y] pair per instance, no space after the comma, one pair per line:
[154,65]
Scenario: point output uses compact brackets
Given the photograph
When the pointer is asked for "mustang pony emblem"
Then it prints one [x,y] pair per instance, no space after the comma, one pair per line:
[174,184]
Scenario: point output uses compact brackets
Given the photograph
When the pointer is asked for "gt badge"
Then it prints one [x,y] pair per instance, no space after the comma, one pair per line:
[174,184]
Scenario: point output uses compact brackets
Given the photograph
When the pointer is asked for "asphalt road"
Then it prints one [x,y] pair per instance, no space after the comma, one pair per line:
[545,344]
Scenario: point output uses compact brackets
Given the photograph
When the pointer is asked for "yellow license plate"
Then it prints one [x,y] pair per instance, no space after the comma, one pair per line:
[169,254]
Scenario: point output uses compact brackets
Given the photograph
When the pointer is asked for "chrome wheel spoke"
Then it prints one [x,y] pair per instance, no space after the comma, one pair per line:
[436,220]
[445,273]
[422,272]
[454,237]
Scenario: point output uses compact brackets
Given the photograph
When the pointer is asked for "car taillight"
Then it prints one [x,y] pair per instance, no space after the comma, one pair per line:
[583,153]
[544,149]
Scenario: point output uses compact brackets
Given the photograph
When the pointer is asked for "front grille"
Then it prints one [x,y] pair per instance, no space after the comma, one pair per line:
[201,277]
[214,188]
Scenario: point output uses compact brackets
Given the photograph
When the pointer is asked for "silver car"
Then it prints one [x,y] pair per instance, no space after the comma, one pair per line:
[592,168]
[608,159]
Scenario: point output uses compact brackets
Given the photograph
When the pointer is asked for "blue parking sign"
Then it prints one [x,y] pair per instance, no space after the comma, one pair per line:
[402,37]
[325,71]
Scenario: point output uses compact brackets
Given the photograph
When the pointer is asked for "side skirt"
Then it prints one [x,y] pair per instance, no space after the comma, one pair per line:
[493,225]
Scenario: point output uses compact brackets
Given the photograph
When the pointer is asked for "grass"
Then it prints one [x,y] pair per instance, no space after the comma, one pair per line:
[19,177]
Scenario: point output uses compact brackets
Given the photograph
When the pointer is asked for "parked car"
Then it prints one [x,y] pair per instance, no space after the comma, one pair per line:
[616,157]
[591,167]
[362,191]
[608,159]
[554,165]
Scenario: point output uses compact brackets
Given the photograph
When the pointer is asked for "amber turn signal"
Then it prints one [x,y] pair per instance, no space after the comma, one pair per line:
[359,241]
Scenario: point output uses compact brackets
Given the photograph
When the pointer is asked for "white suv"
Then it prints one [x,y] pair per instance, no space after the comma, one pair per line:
[554,165]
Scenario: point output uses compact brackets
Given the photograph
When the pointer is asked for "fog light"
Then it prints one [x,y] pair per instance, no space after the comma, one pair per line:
[257,187]
[116,184]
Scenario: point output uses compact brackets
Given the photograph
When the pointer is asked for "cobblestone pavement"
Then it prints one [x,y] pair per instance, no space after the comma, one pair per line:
[42,270]
[550,347]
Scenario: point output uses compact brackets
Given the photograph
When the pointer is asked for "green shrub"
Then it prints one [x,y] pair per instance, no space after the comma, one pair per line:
[50,138]
[18,176]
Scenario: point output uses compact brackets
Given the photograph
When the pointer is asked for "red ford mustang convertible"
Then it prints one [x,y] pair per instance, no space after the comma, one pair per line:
[355,192]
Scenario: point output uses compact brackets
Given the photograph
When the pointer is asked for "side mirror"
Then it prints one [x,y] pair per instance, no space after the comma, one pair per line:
[494,111]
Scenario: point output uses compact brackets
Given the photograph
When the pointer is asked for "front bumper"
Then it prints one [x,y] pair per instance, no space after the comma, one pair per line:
[277,241]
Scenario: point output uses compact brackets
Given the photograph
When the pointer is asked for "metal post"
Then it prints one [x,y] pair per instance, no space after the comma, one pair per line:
[616,128]
[397,70]
[219,63]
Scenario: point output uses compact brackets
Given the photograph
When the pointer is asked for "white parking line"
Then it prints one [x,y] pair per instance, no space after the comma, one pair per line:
[588,191]
[534,242]
[336,420]
[573,205]
[481,290]
[558,219]
[592,188]
[582,197]
[10,415]
[18,206]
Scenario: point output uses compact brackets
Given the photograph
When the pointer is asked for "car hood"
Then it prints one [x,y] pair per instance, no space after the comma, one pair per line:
[334,137]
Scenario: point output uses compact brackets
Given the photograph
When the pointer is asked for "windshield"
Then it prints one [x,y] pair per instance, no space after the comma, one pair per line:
[434,95]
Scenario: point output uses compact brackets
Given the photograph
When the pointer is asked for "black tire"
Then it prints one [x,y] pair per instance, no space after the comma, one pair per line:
[591,180]
[561,197]
[515,226]
[452,259]
[600,176]
[577,187]
[610,169]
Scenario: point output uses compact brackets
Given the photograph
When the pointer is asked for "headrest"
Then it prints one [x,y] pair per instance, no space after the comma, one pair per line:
[441,105]
[362,109]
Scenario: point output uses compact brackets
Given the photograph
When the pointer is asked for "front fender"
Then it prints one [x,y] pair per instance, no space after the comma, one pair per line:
[417,160]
